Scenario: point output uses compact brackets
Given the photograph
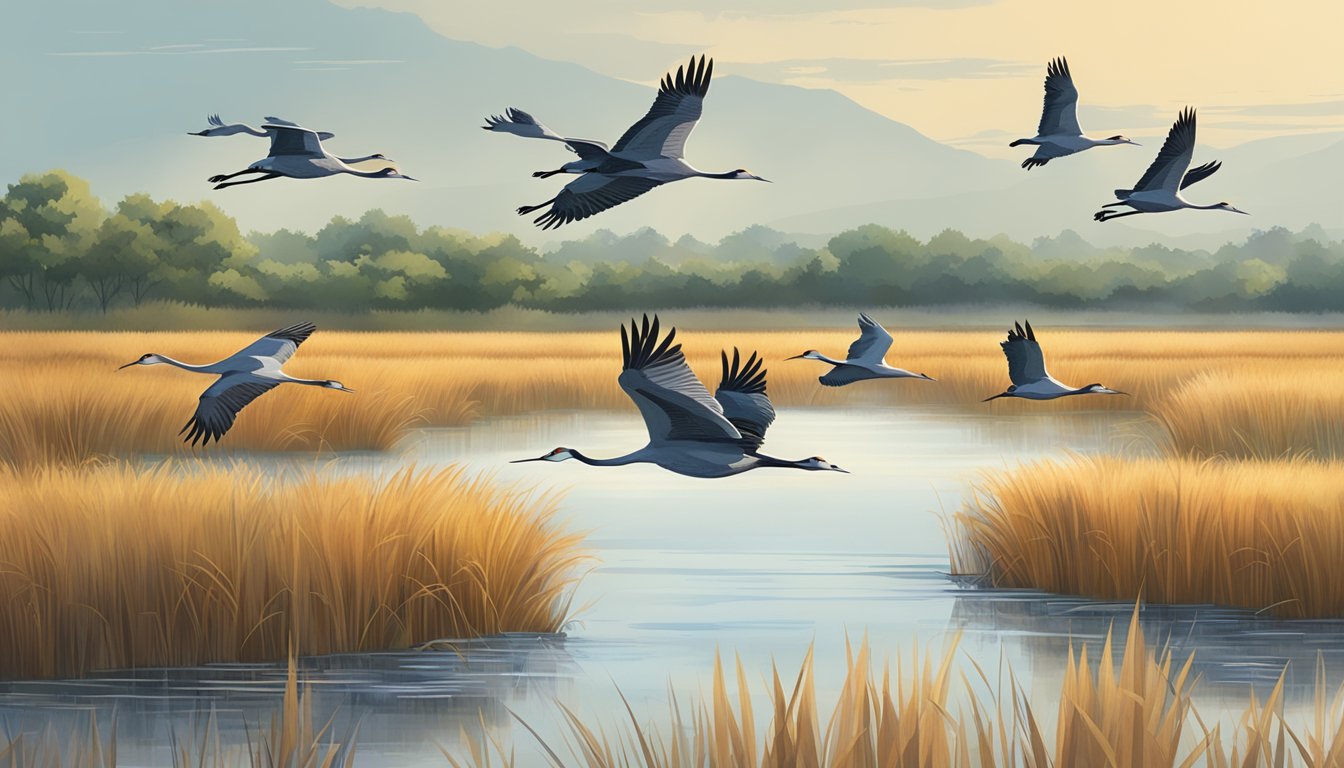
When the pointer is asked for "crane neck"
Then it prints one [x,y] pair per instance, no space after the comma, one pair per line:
[310,382]
[186,366]
[762,460]
[617,461]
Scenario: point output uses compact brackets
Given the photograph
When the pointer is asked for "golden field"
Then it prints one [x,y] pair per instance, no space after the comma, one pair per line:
[114,566]
[1132,711]
[1268,536]
[67,404]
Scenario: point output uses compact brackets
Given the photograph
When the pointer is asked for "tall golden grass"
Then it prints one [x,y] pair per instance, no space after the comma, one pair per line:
[1257,415]
[1138,712]
[114,567]
[65,403]
[1268,536]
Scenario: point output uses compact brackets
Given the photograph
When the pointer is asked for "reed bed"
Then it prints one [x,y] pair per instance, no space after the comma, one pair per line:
[114,567]
[73,407]
[1257,415]
[1138,711]
[1262,535]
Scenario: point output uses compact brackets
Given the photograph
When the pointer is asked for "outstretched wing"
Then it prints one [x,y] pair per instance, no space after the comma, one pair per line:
[591,194]
[323,135]
[674,404]
[1196,175]
[873,341]
[215,121]
[663,131]
[292,140]
[520,123]
[279,344]
[1026,363]
[1174,157]
[1060,114]
[741,392]
[219,406]
[842,374]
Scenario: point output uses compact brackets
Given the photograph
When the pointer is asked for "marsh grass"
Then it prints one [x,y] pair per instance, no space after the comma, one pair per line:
[115,567]
[1262,535]
[65,403]
[1134,710]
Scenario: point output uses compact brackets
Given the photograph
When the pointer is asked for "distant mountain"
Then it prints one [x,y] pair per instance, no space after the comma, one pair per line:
[110,94]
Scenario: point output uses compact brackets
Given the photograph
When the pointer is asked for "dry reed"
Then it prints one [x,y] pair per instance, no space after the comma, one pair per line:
[1260,535]
[1136,712]
[111,567]
[72,407]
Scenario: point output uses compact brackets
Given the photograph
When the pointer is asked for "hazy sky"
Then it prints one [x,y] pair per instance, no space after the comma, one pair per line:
[963,71]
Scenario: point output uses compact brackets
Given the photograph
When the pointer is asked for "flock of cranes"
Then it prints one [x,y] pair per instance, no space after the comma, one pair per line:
[652,152]
[690,432]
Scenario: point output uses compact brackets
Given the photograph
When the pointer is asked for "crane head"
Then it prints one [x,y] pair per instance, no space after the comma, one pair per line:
[742,173]
[1118,139]
[810,354]
[393,173]
[147,359]
[818,464]
[1231,208]
[559,454]
[333,384]
[1097,389]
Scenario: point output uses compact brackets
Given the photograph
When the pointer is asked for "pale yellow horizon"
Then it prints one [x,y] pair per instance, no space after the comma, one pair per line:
[1254,69]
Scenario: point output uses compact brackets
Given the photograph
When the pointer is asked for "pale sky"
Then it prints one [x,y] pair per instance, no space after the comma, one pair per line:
[967,72]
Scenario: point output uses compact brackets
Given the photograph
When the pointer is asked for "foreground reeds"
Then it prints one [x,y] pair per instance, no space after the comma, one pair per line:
[1138,712]
[116,567]
[1268,536]
[72,406]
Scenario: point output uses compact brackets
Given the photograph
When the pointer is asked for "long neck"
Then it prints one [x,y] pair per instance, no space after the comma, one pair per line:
[185,366]
[832,361]
[378,174]
[349,160]
[763,460]
[725,175]
[245,128]
[618,461]
[1213,207]
[310,382]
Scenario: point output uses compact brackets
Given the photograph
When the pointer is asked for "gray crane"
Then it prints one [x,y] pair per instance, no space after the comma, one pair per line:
[648,155]
[244,376]
[866,358]
[219,128]
[691,433]
[1059,133]
[1026,369]
[1160,188]
[297,153]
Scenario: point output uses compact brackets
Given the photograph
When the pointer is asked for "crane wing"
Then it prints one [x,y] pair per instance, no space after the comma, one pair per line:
[220,404]
[842,374]
[323,135]
[1174,157]
[873,341]
[520,123]
[591,194]
[292,140]
[1196,175]
[1060,114]
[279,344]
[663,131]
[741,392]
[1026,362]
[674,404]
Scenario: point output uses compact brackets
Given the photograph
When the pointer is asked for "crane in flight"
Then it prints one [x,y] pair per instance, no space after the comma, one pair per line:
[649,154]
[244,376]
[1159,191]
[1026,369]
[866,358]
[1059,133]
[691,433]
[297,153]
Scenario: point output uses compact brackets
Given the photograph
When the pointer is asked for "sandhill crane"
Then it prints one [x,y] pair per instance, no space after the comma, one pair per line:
[244,376]
[866,358]
[297,153]
[691,433]
[1026,369]
[1160,188]
[1059,134]
[219,128]
[648,155]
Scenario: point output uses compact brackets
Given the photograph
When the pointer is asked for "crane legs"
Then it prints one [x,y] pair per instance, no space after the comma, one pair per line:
[267,177]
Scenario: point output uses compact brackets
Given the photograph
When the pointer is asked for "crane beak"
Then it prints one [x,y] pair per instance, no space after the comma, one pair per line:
[128,365]
[996,397]
[524,461]
[837,469]
[408,178]
[926,377]
[758,178]
[795,357]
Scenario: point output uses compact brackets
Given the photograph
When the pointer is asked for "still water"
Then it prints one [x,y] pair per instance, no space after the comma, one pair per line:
[764,566]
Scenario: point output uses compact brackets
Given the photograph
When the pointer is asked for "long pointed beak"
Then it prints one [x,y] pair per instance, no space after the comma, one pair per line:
[347,389]
[128,365]
[524,461]
[996,397]
[195,133]
[837,469]
[927,377]
[767,181]
[795,357]
[408,178]
[1244,213]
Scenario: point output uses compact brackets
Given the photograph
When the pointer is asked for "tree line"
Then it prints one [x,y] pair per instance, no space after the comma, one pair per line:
[61,249]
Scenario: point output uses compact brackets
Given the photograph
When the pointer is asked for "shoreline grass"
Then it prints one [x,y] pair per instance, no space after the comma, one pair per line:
[1134,710]
[116,567]
[1262,535]
[73,407]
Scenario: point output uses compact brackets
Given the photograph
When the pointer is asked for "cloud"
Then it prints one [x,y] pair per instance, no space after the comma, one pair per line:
[175,52]
[1301,109]
[871,70]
